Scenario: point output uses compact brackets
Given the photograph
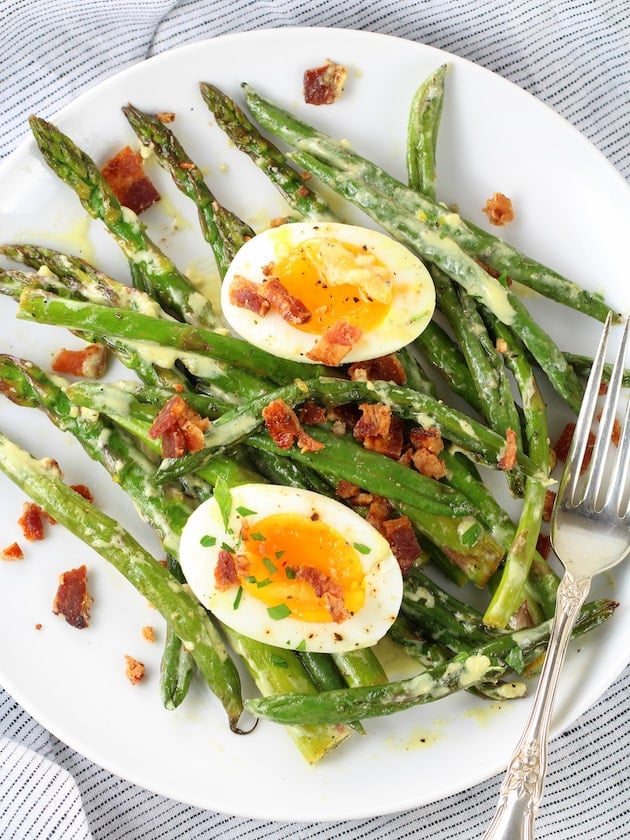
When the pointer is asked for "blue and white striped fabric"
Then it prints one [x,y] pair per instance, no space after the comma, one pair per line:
[572,54]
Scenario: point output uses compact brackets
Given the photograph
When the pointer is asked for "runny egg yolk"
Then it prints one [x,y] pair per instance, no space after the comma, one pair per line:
[336,281]
[278,552]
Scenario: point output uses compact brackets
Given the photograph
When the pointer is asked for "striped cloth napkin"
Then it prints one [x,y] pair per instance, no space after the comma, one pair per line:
[575,56]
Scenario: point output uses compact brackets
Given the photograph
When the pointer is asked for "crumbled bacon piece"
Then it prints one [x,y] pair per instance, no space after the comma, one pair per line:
[543,545]
[387,368]
[501,346]
[380,511]
[246,294]
[346,490]
[287,305]
[134,670]
[225,574]
[180,427]
[324,85]
[521,620]
[32,521]
[126,177]
[165,117]
[379,430]
[312,414]
[327,588]
[89,362]
[549,502]
[499,209]
[427,445]
[72,600]
[12,552]
[285,428]
[84,491]
[403,542]
[148,633]
[335,344]
[508,460]
[563,443]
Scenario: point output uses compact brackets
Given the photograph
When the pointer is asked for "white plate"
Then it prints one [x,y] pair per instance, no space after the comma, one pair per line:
[572,211]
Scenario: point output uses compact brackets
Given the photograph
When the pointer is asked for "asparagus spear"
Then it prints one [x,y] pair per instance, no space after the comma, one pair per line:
[167,284]
[468,669]
[172,156]
[484,246]
[422,132]
[266,156]
[41,482]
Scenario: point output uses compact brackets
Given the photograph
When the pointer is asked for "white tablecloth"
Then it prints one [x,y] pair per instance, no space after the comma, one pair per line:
[573,55]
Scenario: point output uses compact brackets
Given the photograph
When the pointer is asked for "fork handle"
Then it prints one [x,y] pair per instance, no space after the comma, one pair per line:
[522,786]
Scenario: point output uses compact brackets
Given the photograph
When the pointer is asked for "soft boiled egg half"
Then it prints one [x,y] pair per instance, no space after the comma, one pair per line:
[318,276]
[291,568]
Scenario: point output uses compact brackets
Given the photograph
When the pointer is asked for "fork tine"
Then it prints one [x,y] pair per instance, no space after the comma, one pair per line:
[621,467]
[602,443]
[579,442]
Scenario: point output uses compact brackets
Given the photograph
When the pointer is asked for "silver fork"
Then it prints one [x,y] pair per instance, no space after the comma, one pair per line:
[590,533]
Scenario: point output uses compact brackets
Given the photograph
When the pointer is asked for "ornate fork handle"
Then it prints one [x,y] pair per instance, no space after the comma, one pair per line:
[522,786]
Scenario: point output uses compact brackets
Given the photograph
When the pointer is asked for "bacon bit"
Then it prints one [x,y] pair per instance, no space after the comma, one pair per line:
[324,85]
[269,269]
[499,209]
[335,344]
[305,176]
[386,368]
[282,423]
[285,428]
[549,502]
[225,574]
[496,274]
[428,464]
[287,305]
[180,427]
[84,491]
[501,346]
[402,540]
[427,445]
[32,521]
[125,175]
[405,458]
[246,294]
[346,490]
[328,589]
[12,552]
[379,430]
[543,545]
[429,439]
[72,600]
[187,165]
[306,443]
[615,434]
[302,191]
[165,117]
[312,414]
[564,442]
[363,499]
[380,511]
[148,633]
[603,388]
[508,460]
[134,670]
[38,626]
[90,362]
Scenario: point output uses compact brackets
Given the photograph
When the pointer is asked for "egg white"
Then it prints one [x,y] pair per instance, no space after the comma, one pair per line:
[410,311]
[250,617]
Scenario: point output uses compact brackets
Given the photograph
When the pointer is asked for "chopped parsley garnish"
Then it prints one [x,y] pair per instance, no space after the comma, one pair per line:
[362,549]
[301,645]
[224,499]
[256,535]
[289,572]
[278,661]
[207,541]
[245,511]
[264,582]
[268,564]
[278,612]
[279,554]
[227,547]
[237,599]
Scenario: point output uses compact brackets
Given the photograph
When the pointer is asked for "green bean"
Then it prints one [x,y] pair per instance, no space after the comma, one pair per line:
[422,131]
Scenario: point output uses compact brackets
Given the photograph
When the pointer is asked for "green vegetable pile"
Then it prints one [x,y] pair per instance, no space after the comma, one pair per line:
[174,342]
